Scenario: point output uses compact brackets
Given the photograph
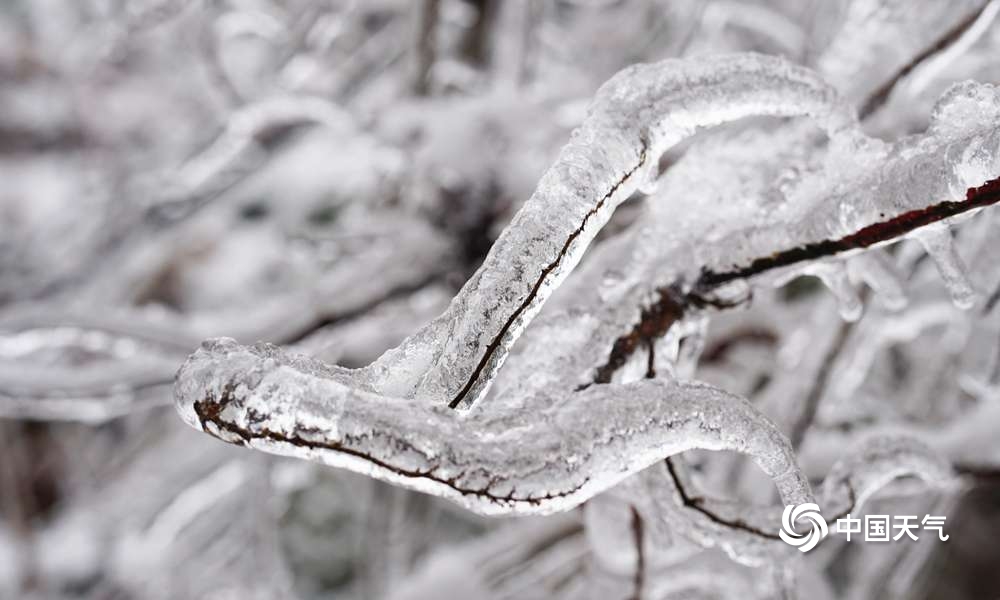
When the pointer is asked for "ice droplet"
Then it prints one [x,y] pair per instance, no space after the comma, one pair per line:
[940,246]
[834,277]
[650,181]
[732,292]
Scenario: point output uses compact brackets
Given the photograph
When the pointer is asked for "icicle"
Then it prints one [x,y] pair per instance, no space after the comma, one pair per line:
[877,270]
[650,183]
[695,331]
[938,243]
[834,277]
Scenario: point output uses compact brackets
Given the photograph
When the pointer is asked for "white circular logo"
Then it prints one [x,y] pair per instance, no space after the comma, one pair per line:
[808,512]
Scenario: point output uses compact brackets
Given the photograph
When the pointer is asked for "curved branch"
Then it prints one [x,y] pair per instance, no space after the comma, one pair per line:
[635,117]
[491,463]
[748,534]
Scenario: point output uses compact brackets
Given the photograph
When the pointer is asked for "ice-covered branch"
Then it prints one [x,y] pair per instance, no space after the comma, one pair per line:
[748,533]
[516,461]
[362,419]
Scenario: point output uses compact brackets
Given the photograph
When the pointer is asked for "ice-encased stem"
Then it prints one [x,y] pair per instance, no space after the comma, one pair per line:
[672,506]
[636,116]
[392,419]
[518,461]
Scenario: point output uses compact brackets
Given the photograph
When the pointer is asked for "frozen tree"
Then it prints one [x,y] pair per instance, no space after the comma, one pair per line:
[528,299]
